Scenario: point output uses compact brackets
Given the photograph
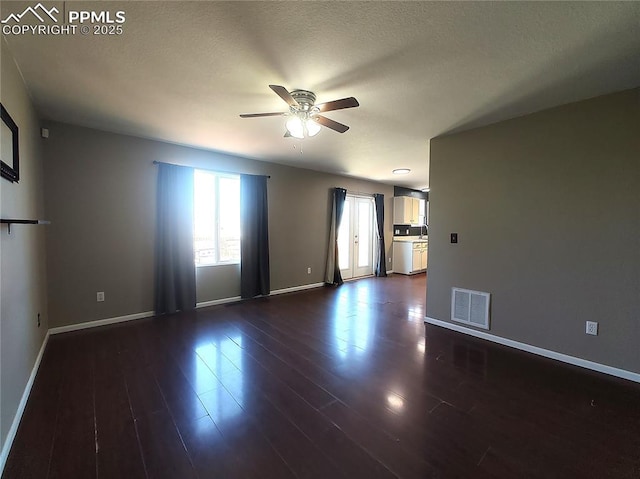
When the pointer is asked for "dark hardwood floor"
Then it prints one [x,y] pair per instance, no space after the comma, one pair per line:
[327,383]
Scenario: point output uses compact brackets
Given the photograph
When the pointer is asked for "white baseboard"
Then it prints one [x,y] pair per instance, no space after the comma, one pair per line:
[11,435]
[148,314]
[276,292]
[215,302]
[100,322]
[565,358]
[293,289]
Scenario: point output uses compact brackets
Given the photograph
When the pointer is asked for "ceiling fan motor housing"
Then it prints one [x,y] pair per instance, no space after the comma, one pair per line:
[305,99]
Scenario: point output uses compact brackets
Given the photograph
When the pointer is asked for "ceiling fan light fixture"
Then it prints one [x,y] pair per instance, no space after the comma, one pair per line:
[313,128]
[303,118]
[301,126]
[295,127]
[401,171]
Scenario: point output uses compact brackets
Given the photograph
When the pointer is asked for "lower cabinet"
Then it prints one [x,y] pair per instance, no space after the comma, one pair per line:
[409,258]
[419,262]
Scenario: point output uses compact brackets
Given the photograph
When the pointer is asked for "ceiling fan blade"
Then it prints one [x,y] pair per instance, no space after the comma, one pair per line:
[283,93]
[350,102]
[334,125]
[255,115]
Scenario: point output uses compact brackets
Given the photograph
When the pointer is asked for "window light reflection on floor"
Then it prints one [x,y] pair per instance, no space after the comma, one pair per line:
[352,323]
[224,359]
[415,312]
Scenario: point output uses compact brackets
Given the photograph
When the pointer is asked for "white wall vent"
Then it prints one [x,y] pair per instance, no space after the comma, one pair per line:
[470,307]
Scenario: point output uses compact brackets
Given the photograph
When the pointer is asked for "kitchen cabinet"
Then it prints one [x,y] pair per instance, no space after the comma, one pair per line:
[406,210]
[419,259]
[410,257]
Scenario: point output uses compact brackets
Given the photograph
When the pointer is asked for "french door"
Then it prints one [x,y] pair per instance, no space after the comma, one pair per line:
[356,245]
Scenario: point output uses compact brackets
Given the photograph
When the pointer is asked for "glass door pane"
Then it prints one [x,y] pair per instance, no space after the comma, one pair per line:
[364,235]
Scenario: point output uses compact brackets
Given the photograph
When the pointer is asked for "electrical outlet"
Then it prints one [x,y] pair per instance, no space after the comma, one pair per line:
[454,237]
[38,319]
[592,328]
[100,296]
[309,270]
[389,259]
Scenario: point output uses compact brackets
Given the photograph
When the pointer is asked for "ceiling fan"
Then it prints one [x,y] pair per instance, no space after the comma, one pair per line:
[304,117]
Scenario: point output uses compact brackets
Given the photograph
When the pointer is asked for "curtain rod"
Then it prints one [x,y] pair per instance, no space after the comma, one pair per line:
[155,162]
[359,193]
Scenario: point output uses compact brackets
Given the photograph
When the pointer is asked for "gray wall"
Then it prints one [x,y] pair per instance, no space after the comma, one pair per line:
[547,208]
[22,273]
[100,196]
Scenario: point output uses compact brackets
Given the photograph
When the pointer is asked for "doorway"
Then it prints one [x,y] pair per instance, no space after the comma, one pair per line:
[356,242]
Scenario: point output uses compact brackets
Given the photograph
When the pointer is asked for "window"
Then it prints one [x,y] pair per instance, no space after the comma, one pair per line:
[423,212]
[216,218]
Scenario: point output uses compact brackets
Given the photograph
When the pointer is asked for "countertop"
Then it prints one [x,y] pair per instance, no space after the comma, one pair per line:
[410,239]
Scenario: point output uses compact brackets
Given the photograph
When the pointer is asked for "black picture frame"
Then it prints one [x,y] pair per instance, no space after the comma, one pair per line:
[9,154]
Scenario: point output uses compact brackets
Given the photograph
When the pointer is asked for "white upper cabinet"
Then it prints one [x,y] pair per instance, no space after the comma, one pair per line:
[406,210]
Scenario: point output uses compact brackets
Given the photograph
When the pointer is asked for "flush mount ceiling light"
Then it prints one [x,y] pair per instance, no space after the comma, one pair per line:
[401,171]
[303,118]
[395,401]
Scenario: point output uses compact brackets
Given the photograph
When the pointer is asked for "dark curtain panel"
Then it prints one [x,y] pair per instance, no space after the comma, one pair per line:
[175,270]
[381,264]
[254,227]
[333,275]
[340,196]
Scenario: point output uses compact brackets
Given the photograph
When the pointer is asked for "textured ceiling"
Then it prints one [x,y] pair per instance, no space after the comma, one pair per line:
[183,71]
